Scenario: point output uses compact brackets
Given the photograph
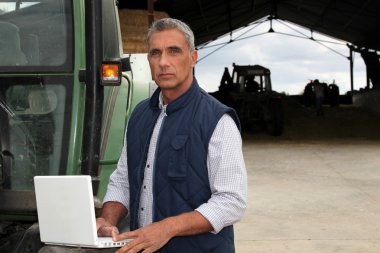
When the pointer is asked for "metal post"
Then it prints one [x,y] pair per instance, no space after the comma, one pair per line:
[150,12]
[367,76]
[94,91]
[351,70]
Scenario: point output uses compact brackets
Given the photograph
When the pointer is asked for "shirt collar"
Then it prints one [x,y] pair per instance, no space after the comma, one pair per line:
[161,101]
[156,101]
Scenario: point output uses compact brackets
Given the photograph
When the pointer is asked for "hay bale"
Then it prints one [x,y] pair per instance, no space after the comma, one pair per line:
[134,26]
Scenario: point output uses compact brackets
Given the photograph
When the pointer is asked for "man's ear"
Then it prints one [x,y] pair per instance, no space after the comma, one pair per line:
[194,57]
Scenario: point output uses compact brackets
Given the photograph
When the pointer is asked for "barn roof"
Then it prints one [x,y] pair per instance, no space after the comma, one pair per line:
[357,22]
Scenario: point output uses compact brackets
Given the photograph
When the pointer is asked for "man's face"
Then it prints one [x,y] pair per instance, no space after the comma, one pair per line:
[171,61]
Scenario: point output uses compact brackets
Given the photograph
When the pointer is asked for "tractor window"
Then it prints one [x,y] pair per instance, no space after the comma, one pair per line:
[111,35]
[252,84]
[35,35]
[241,80]
[34,122]
[267,83]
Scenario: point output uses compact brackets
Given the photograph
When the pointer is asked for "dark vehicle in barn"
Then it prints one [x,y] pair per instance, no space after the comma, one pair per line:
[331,94]
[249,92]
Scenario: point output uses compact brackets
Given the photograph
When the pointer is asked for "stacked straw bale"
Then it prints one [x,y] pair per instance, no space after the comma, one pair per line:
[134,25]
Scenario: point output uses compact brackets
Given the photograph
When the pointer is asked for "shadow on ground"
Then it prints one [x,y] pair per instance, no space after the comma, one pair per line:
[344,122]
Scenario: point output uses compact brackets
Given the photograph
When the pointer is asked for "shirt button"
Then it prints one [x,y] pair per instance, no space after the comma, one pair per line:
[144,186]
[148,166]
[142,209]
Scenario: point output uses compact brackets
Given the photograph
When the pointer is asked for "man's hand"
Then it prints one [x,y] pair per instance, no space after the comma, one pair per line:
[112,213]
[105,229]
[147,239]
[153,237]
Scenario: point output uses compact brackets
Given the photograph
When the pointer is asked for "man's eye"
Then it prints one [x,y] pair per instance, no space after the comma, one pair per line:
[174,50]
[154,53]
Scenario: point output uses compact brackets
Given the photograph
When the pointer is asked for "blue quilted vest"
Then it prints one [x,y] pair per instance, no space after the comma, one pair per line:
[180,173]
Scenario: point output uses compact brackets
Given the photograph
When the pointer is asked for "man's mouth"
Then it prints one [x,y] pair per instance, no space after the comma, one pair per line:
[165,75]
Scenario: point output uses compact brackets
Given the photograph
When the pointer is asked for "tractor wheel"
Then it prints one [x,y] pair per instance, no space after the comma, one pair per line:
[275,118]
[333,95]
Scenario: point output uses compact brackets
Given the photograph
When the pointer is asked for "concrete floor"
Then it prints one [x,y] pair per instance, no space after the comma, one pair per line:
[311,196]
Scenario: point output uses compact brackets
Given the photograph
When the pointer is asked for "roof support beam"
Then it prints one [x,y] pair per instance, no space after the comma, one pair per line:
[356,14]
[228,9]
[150,12]
[203,14]
[274,9]
[253,4]
[320,22]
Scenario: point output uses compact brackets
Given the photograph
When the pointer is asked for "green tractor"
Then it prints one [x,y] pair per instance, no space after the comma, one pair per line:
[66,92]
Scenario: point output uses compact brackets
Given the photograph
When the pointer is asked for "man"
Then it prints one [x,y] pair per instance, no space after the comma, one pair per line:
[181,175]
[319,93]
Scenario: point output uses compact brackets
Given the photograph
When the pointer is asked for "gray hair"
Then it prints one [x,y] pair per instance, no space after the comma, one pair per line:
[171,23]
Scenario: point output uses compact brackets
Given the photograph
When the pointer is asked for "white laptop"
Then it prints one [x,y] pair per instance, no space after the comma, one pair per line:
[66,213]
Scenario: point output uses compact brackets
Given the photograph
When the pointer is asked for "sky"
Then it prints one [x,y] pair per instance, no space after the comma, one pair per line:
[293,61]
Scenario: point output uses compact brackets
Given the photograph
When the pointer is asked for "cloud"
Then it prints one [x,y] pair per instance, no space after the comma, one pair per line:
[292,61]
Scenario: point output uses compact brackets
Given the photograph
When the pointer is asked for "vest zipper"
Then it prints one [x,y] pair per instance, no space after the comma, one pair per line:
[154,162]
[141,172]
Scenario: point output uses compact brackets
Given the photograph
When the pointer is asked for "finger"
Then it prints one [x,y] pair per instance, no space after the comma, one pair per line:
[116,236]
[107,231]
[100,222]
[132,246]
[104,231]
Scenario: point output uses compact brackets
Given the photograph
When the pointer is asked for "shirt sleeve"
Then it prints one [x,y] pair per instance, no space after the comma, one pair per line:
[118,186]
[227,176]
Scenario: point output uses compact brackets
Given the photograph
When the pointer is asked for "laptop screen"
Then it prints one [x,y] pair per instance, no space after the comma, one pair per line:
[65,209]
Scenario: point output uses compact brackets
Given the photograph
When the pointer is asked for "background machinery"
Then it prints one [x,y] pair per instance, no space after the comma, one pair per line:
[249,92]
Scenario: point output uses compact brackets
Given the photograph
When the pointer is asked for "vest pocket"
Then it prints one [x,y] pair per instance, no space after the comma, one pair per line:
[177,172]
[179,142]
[177,167]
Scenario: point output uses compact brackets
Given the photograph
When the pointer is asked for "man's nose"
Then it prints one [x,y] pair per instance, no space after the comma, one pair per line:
[164,60]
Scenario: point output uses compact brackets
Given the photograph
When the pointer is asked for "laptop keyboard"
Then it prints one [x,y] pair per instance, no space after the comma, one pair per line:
[108,242]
